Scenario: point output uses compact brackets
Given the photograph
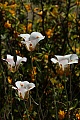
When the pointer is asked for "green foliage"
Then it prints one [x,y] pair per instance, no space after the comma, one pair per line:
[56,95]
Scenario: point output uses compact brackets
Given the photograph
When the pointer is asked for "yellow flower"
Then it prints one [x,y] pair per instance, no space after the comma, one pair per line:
[60,86]
[36,9]
[46,58]
[18,52]
[33,73]
[28,7]
[39,20]
[40,13]
[23,28]
[78,116]
[12,12]
[13,6]
[7,24]
[78,3]
[5,4]
[9,80]
[61,115]
[49,33]
[29,27]
[76,49]
[15,34]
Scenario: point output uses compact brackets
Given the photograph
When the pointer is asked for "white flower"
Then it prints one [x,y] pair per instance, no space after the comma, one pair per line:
[11,64]
[23,87]
[31,40]
[65,60]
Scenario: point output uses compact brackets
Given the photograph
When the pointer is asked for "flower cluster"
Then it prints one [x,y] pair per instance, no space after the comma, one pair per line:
[23,87]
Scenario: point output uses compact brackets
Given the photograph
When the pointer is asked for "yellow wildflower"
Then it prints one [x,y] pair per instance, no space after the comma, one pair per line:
[12,12]
[40,13]
[18,52]
[15,34]
[13,6]
[5,4]
[78,116]
[23,27]
[36,9]
[29,27]
[76,49]
[39,20]
[78,3]
[61,115]
[7,24]
[9,80]
[33,73]
[49,32]
[46,58]
[28,7]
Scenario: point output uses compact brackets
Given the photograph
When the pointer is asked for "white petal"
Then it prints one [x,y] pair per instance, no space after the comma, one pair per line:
[20,59]
[24,59]
[14,87]
[25,36]
[36,36]
[59,57]
[67,56]
[73,61]
[22,92]
[63,62]
[30,86]
[9,56]
[18,84]
[54,60]
[10,60]
[74,57]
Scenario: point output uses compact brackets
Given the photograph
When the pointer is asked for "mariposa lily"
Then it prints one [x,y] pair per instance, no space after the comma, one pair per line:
[13,66]
[31,40]
[23,88]
[65,60]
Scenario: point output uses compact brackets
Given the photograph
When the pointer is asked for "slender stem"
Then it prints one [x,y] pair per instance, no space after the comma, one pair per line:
[67,99]
[26,110]
[55,103]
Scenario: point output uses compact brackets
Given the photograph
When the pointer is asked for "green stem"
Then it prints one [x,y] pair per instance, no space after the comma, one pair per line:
[26,110]
[55,104]
[67,99]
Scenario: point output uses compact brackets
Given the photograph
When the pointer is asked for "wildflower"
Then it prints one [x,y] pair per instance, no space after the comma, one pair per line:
[65,60]
[28,7]
[40,13]
[61,115]
[49,32]
[29,26]
[5,4]
[12,65]
[23,87]
[46,58]
[78,116]
[13,6]
[36,9]
[9,80]
[12,12]
[31,40]
[33,73]
[7,24]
